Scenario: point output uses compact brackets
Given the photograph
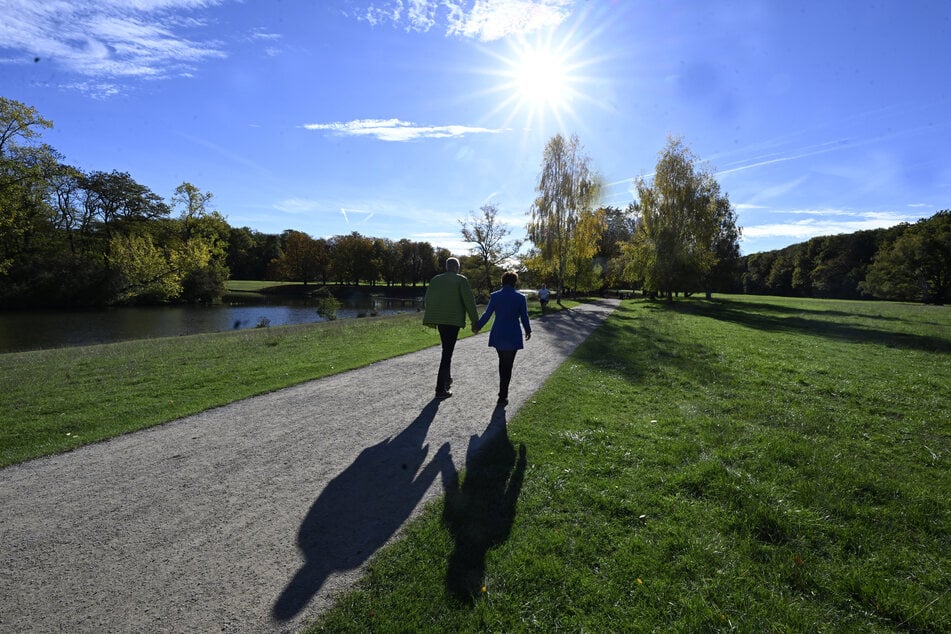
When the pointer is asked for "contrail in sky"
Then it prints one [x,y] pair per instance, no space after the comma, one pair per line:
[829,146]
[822,148]
[368,214]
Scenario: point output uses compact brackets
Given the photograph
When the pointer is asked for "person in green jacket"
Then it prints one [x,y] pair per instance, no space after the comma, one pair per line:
[448,300]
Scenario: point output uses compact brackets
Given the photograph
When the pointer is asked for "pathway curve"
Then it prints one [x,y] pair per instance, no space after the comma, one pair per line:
[252,516]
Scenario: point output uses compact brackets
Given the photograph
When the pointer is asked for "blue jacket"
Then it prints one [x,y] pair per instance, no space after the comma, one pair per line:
[509,307]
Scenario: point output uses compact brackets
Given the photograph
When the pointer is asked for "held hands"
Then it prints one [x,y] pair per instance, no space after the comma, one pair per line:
[528,335]
[475,330]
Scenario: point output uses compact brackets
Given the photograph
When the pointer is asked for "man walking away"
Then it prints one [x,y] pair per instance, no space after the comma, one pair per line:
[448,300]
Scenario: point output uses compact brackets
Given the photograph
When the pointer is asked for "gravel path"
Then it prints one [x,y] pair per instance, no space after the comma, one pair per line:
[252,516]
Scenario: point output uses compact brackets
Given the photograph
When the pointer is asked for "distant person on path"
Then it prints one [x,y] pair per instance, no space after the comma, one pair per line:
[448,300]
[509,307]
[543,297]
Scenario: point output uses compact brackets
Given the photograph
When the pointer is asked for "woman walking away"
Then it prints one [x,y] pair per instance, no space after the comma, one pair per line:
[509,307]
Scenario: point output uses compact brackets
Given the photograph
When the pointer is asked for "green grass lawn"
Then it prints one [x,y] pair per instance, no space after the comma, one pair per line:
[254,286]
[56,400]
[751,464]
[257,286]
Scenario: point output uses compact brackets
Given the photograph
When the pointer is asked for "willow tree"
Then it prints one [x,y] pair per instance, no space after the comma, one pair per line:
[584,272]
[682,225]
[563,214]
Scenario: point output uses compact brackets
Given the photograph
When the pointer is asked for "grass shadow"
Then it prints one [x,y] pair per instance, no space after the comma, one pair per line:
[751,316]
[645,348]
[569,327]
[781,309]
[479,510]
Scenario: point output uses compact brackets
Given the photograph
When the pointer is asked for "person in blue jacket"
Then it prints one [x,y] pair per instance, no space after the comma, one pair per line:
[509,307]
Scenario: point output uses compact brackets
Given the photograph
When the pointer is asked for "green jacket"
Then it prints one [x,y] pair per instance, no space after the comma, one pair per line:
[448,300]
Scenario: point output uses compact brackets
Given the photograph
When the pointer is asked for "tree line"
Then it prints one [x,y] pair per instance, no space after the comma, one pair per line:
[907,262]
[351,259]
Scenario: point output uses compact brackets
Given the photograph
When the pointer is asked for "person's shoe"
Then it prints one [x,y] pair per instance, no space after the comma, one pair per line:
[443,393]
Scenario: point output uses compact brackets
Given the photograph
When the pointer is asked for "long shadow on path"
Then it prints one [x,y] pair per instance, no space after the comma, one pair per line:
[361,509]
[479,512]
[568,328]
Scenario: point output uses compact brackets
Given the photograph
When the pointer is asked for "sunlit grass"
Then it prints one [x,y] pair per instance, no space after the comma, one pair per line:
[51,400]
[56,400]
[253,286]
[750,464]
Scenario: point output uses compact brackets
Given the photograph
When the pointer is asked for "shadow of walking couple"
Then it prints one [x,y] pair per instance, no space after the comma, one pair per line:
[479,510]
[364,506]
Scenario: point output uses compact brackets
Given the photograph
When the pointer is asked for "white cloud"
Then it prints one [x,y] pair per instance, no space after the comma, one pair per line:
[444,240]
[268,40]
[495,19]
[421,15]
[485,20]
[822,212]
[514,222]
[96,90]
[435,235]
[263,35]
[826,222]
[110,39]
[396,130]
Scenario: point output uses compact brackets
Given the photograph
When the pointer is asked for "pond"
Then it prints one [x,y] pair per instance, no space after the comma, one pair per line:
[36,329]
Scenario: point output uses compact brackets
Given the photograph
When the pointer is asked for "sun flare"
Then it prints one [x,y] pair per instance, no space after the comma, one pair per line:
[538,81]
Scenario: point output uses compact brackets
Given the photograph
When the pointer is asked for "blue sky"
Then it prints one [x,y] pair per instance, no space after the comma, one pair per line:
[398,118]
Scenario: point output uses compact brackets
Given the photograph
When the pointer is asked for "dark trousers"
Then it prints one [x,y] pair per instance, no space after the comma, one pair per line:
[448,335]
[506,361]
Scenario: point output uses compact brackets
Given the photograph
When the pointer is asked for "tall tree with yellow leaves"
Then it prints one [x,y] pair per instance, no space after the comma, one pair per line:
[563,215]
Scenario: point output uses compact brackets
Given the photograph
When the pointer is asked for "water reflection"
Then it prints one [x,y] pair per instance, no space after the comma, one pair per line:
[34,330]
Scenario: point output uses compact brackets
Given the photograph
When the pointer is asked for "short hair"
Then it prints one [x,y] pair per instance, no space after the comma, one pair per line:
[452,264]
[509,278]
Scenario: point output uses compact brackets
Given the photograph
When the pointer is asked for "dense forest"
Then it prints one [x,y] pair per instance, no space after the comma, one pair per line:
[72,238]
[908,262]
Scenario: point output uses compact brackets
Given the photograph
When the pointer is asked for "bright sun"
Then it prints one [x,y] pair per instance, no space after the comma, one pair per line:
[537,81]
[540,79]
